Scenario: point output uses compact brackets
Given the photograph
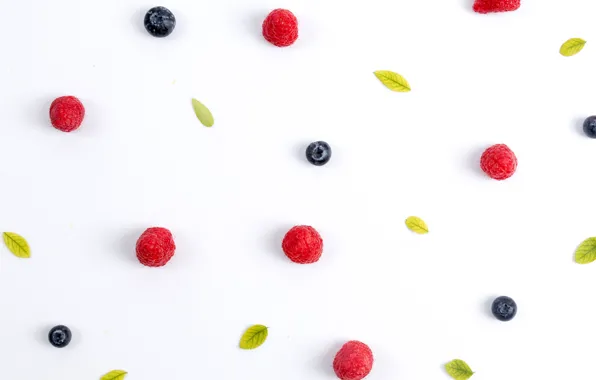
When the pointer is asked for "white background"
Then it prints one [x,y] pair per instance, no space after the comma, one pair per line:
[229,193]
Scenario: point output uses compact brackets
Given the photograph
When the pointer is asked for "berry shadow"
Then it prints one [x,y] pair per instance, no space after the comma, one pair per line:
[253,25]
[300,153]
[275,240]
[41,116]
[137,20]
[42,337]
[41,334]
[578,125]
[473,161]
[468,5]
[325,362]
[126,243]
[487,306]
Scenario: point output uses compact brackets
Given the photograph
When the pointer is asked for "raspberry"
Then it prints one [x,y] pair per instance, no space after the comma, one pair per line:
[303,245]
[280,28]
[499,162]
[490,6]
[353,361]
[155,247]
[67,113]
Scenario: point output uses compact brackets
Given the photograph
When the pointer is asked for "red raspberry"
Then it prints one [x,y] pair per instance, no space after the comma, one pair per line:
[303,245]
[353,361]
[499,162]
[490,6]
[280,28]
[67,113]
[155,247]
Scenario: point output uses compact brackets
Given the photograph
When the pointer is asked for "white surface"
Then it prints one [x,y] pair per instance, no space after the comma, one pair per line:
[229,193]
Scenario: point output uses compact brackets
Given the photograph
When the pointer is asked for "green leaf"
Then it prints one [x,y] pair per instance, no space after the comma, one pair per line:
[459,370]
[586,252]
[116,374]
[393,81]
[253,337]
[572,46]
[203,113]
[17,245]
[417,225]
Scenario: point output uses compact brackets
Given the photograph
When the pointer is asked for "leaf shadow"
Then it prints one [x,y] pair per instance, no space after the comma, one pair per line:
[443,369]
[325,362]
[574,252]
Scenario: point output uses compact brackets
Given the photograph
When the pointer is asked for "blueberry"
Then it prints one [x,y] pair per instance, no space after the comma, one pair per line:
[160,22]
[590,127]
[60,336]
[318,153]
[504,308]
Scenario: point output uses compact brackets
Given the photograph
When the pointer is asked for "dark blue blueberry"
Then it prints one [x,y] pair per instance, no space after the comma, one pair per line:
[318,153]
[504,308]
[590,127]
[160,22]
[60,336]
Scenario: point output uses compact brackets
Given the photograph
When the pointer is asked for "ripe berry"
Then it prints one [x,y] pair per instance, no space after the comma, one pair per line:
[353,361]
[504,308]
[60,336]
[303,245]
[490,6]
[67,113]
[160,22]
[499,162]
[590,127]
[318,153]
[280,28]
[155,247]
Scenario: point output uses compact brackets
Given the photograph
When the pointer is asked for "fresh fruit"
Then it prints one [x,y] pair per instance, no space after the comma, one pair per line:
[504,308]
[60,336]
[155,247]
[318,153]
[491,6]
[590,127]
[353,361]
[303,245]
[280,28]
[67,113]
[499,162]
[160,22]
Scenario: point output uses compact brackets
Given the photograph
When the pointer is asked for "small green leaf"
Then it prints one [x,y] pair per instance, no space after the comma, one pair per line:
[203,113]
[586,252]
[393,81]
[17,245]
[572,46]
[417,225]
[253,337]
[116,374]
[459,370]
